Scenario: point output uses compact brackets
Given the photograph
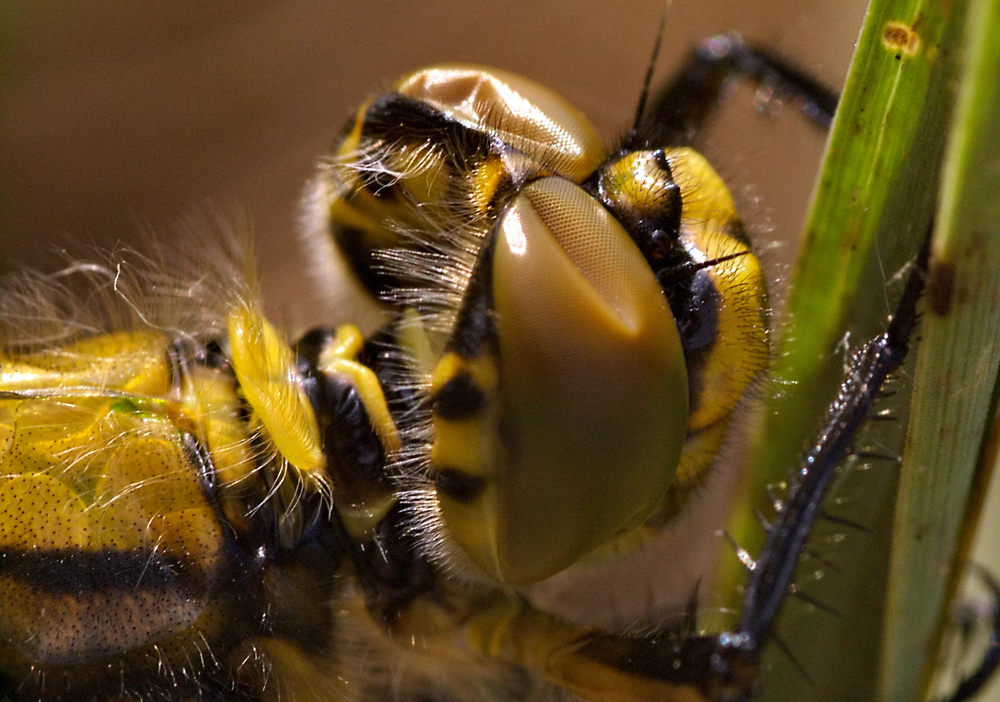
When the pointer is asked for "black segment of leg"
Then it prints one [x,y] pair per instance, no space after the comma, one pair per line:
[867,373]
[688,101]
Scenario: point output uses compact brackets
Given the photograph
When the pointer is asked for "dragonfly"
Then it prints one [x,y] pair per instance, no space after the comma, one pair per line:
[360,511]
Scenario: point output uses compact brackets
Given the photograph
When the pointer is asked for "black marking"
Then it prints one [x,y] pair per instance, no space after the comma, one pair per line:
[312,344]
[382,185]
[391,122]
[730,661]
[458,399]
[354,453]
[352,244]
[654,221]
[238,603]
[476,325]
[81,573]
[393,119]
[737,231]
[666,656]
[697,317]
[199,458]
[390,567]
[349,440]
[177,355]
[211,355]
[458,485]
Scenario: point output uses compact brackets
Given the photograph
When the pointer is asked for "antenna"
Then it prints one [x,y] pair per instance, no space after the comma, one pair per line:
[644,96]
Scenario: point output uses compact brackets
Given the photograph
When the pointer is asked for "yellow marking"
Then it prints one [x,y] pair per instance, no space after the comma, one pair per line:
[128,488]
[352,137]
[127,362]
[468,446]
[349,215]
[149,491]
[457,445]
[265,367]
[338,359]
[700,449]
[210,410]
[415,343]
[37,511]
[481,369]
[424,174]
[450,365]
[707,203]
[485,180]
[347,343]
[740,352]
[281,666]
[475,526]
[460,444]
[510,630]
[360,519]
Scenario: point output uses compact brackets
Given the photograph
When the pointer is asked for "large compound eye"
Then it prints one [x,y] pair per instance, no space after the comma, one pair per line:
[590,406]
[429,166]
[513,110]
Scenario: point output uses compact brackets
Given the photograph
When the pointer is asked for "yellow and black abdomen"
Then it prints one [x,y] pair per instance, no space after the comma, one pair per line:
[163,508]
[113,536]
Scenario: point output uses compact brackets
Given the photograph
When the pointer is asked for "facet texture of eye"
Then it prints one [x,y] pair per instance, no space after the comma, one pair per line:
[593,397]
[522,113]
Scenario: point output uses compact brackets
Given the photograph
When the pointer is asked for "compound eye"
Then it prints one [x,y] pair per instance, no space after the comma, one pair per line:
[592,391]
[514,110]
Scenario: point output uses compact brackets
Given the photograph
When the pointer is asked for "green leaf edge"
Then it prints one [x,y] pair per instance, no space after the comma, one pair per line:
[956,372]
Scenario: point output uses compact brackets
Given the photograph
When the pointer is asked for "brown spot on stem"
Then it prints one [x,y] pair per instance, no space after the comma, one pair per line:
[900,38]
[940,286]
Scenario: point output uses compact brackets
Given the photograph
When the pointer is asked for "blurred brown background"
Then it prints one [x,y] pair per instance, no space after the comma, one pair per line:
[118,116]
